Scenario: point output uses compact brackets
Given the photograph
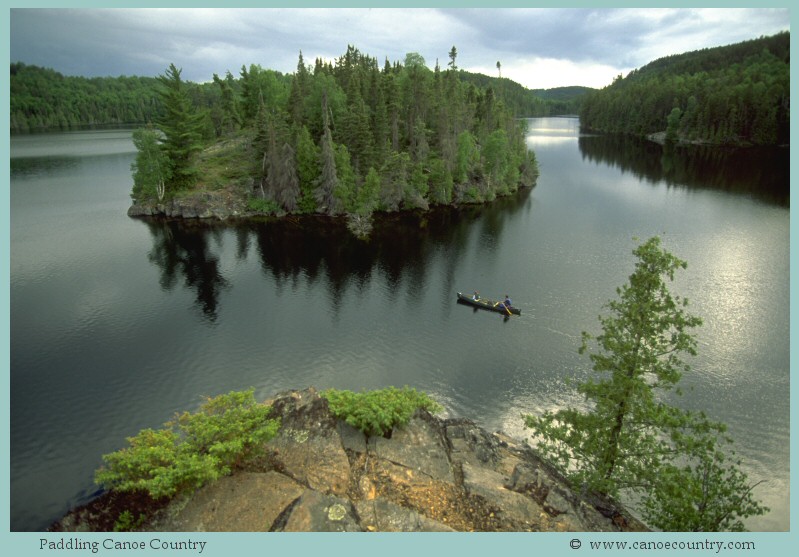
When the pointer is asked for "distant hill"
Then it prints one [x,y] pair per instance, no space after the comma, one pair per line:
[526,102]
[737,94]
[717,58]
[43,98]
[565,94]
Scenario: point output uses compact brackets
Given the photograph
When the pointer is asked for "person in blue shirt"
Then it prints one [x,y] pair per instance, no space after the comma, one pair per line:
[507,303]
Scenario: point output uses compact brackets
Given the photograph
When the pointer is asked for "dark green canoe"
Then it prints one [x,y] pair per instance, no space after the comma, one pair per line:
[485,303]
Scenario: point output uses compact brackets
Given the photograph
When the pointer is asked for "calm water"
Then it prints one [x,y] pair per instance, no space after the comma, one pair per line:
[118,323]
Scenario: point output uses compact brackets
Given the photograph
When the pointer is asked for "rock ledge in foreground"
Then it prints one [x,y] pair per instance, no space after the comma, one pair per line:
[432,475]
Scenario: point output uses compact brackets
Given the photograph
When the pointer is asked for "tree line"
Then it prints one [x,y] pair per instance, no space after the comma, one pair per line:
[42,98]
[737,94]
[341,137]
[530,103]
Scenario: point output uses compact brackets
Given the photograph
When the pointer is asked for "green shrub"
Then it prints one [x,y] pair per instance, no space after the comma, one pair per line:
[378,412]
[193,449]
[126,523]
[265,206]
[472,195]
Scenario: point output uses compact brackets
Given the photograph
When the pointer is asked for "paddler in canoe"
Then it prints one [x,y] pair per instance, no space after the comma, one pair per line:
[506,304]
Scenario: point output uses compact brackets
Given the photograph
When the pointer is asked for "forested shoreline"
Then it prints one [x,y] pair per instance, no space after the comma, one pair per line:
[737,94]
[352,136]
[343,137]
[44,99]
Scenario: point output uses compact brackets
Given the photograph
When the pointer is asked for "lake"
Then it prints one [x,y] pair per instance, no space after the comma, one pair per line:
[118,323]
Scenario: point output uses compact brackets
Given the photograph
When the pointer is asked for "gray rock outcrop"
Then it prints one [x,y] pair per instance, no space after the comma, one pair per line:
[213,205]
[431,475]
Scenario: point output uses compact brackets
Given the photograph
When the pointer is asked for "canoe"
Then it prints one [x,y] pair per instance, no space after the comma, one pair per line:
[485,303]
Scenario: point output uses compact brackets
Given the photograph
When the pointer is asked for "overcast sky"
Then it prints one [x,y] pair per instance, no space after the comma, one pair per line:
[540,48]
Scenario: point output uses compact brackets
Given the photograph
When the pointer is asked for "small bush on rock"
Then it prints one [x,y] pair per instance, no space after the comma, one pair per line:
[192,449]
[378,412]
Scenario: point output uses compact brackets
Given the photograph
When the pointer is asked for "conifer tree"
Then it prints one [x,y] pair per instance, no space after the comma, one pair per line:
[496,156]
[345,189]
[328,179]
[367,197]
[629,440]
[453,54]
[394,181]
[231,119]
[287,184]
[182,127]
[467,158]
[380,124]
[414,127]
[440,182]
[308,170]
[417,188]
[299,90]
[393,108]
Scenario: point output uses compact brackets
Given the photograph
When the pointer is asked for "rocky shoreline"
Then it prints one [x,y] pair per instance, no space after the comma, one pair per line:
[322,475]
[221,205]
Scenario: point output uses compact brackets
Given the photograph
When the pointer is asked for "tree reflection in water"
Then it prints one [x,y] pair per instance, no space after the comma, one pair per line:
[181,251]
[763,173]
[314,248]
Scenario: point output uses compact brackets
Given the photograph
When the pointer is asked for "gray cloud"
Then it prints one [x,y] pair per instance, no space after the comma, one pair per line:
[617,37]
[599,42]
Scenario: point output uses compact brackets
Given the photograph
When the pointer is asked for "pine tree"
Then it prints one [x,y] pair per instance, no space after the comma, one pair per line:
[417,188]
[367,197]
[308,170]
[467,158]
[328,179]
[496,161]
[231,120]
[629,440]
[394,180]
[355,132]
[299,90]
[380,127]
[345,190]
[440,182]
[453,54]
[182,126]
[706,491]
[288,183]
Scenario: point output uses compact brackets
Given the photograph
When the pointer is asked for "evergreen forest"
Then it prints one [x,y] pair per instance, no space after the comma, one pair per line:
[44,99]
[337,137]
[737,95]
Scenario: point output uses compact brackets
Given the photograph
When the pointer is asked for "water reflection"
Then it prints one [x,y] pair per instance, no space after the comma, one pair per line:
[314,249]
[762,173]
[85,297]
[184,252]
[42,166]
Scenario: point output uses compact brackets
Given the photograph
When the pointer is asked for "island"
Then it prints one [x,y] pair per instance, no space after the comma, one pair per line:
[340,139]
